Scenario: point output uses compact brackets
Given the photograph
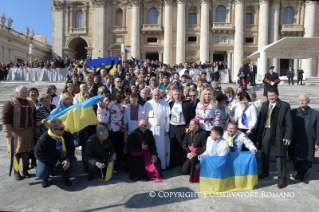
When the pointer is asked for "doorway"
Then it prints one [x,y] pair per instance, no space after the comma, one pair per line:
[218,57]
[152,56]
[78,45]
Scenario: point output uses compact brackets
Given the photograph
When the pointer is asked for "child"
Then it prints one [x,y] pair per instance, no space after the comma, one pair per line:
[103,111]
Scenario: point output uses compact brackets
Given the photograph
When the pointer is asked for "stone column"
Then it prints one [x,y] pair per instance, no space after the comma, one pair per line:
[204,31]
[143,54]
[263,34]
[84,16]
[239,37]
[58,27]
[309,24]
[211,56]
[99,30]
[124,17]
[180,38]
[135,50]
[160,56]
[168,32]
[71,18]
[229,59]
[274,29]
[296,66]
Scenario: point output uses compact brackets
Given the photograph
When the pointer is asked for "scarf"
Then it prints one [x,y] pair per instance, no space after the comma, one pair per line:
[36,103]
[228,103]
[244,117]
[59,138]
[185,84]
[230,139]
[119,89]
[80,96]
[91,88]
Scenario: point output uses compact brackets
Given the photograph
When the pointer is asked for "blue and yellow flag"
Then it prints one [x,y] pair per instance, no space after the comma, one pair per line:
[234,172]
[109,171]
[107,61]
[13,162]
[78,116]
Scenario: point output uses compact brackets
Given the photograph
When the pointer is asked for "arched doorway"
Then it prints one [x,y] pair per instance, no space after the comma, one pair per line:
[78,46]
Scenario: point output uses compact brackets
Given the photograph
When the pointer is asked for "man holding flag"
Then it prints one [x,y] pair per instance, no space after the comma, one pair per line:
[55,153]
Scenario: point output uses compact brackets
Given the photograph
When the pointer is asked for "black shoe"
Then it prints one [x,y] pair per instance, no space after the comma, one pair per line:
[26,175]
[86,169]
[67,182]
[17,176]
[45,184]
[89,178]
[305,181]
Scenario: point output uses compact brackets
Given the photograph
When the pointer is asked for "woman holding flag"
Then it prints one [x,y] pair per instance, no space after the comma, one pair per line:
[18,116]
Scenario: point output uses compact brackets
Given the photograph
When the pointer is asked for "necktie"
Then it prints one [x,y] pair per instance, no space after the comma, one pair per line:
[268,122]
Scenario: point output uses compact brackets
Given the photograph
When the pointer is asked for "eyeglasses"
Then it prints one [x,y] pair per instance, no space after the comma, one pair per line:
[144,125]
[61,129]
[192,95]
[117,81]
[53,88]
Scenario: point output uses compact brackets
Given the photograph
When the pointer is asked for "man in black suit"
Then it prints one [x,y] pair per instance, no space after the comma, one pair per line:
[117,87]
[193,101]
[180,116]
[275,126]
[121,72]
[300,75]
[271,79]
[290,75]
[252,73]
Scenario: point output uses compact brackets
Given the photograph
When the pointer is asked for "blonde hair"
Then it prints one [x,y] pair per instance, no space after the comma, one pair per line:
[65,96]
[202,96]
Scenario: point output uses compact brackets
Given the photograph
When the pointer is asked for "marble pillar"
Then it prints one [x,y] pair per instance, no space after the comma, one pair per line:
[135,49]
[204,31]
[180,34]
[263,35]
[167,32]
[239,37]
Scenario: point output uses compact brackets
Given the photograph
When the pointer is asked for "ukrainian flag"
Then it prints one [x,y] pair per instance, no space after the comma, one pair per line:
[234,172]
[107,61]
[78,116]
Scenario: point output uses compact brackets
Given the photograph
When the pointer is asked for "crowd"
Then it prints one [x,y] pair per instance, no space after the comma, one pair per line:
[150,122]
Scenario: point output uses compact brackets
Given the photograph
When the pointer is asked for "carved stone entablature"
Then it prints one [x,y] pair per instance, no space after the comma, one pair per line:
[136,2]
[167,2]
[239,1]
[58,5]
[191,53]
[181,1]
[263,1]
[98,3]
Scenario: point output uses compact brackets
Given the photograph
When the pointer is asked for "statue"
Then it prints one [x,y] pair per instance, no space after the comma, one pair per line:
[3,19]
[27,31]
[9,22]
[32,33]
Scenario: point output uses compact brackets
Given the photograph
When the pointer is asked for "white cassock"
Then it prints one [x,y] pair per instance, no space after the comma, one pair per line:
[157,114]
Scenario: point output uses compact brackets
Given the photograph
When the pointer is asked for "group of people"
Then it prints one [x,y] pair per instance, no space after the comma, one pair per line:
[150,122]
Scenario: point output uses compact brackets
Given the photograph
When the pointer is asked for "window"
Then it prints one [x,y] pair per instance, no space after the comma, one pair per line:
[288,15]
[221,14]
[79,19]
[192,18]
[192,39]
[152,40]
[119,17]
[152,16]
[249,40]
[249,18]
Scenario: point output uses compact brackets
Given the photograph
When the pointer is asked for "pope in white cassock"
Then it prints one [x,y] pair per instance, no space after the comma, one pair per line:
[157,113]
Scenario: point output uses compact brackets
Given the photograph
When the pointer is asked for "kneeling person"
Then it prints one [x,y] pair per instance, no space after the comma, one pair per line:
[55,153]
[143,161]
[97,152]
[236,138]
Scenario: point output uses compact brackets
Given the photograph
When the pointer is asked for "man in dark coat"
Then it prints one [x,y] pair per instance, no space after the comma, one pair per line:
[194,144]
[181,113]
[55,154]
[290,75]
[141,145]
[275,126]
[305,139]
[193,100]
[252,73]
[271,79]
[300,76]
[98,152]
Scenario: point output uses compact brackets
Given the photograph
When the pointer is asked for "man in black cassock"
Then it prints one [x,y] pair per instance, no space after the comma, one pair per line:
[141,140]
[194,144]
[305,139]
[271,79]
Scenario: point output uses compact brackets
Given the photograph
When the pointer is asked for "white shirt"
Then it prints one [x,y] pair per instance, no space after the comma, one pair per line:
[55,100]
[117,114]
[157,113]
[223,148]
[177,117]
[251,114]
[103,115]
[240,140]
[132,125]
[208,114]
[76,99]
[232,105]
[223,116]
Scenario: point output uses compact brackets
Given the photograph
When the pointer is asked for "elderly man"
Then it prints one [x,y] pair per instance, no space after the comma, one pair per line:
[80,96]
[194,144]
[275,128]
[92,87]
[117,87]
[193,100]
[237,138]
[216,88]
[98,152]
[305,139]
[180,116]
[55,153]
[143,161]
[157,113]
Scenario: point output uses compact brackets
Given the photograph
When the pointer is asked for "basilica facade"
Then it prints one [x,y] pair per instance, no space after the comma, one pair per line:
[175,31]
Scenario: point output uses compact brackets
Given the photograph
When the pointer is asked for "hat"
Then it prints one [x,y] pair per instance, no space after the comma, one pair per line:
[196,120]
[271,67]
